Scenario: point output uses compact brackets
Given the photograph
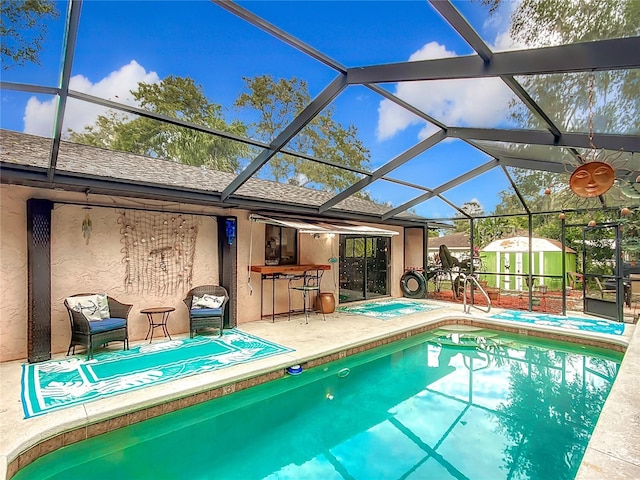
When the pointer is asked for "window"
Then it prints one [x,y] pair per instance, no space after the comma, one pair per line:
[281,245]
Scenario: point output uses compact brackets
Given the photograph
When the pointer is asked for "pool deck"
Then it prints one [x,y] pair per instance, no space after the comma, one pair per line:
[613,451]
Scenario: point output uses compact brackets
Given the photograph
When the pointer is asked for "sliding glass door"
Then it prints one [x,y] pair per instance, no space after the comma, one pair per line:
[363,267]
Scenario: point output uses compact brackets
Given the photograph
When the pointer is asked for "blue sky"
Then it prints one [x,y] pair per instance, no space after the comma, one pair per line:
[123,42]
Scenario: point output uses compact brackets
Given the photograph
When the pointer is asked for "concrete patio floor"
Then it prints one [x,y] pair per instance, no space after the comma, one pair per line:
[612,452]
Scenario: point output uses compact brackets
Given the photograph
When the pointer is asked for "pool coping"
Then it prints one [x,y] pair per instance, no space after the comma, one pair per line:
[91,422]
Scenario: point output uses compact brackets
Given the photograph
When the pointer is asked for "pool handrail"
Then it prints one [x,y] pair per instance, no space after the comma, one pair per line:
[467,309]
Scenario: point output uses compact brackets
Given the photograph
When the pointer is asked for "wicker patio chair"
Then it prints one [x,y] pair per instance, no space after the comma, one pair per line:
[97,332]
[203,314]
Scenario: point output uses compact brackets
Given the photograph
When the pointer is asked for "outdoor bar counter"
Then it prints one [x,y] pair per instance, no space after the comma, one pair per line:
[274,272]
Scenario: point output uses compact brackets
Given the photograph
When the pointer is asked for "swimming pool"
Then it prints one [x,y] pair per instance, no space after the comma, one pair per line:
[443,405]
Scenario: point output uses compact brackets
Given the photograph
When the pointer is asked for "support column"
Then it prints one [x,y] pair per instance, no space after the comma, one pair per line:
[228,265]
[39,279]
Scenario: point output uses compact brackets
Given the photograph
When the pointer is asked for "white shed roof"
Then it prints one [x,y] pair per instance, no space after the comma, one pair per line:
[521,244]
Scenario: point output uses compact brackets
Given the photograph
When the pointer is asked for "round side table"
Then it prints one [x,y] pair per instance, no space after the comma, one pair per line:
[164,313]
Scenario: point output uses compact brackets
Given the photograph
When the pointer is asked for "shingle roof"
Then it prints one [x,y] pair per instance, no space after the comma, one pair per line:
[455,240]
[33,151]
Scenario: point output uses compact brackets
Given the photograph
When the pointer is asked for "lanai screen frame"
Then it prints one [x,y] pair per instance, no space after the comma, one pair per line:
[595,56]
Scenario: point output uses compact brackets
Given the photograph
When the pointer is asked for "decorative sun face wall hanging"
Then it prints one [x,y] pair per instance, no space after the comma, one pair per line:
[592,179]
[598,170]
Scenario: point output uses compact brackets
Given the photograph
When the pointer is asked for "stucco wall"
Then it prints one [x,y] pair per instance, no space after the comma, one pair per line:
[79,267]
[13,273]
[250,252]
[414,256]
[97,266]
[397,260]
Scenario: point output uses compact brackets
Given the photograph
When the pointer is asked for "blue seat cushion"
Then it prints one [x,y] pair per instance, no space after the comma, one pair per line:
[106,324]
[205,312]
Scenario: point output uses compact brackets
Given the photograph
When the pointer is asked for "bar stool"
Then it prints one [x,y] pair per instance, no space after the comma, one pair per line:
[307,283]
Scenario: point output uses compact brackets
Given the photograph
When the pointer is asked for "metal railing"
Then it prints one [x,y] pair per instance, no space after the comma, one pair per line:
[467,308]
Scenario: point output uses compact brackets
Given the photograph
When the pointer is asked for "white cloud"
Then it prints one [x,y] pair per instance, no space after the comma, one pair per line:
[500,24]
[504,41]
[392,118]
[476,102]
[38,116]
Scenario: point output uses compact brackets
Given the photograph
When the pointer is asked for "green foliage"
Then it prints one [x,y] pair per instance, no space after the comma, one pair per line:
[595,245]
[532,185]
[630,227]
[23,29]
[492,4]
[486,230]
[101,134]
[277,102]
[562,22]
[547,22]
[565,97]
[472,208]
[273,103]
[599,250]
[179,98]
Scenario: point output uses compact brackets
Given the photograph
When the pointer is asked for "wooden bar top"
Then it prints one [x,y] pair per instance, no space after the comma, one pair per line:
[271,269]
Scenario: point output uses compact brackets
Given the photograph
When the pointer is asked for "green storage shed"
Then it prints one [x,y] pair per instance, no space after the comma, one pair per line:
[510,257]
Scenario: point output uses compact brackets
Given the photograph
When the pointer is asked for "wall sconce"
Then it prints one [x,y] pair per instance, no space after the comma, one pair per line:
[230,230]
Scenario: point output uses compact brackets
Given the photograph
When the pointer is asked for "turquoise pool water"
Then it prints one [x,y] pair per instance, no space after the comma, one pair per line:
[443,405]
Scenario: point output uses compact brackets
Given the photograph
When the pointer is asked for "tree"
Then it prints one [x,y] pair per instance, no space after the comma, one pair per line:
[102,133]
[486,230]
[565,97]
[630,225]
[175,97]
[23,29]
[472,208]
[277,102]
